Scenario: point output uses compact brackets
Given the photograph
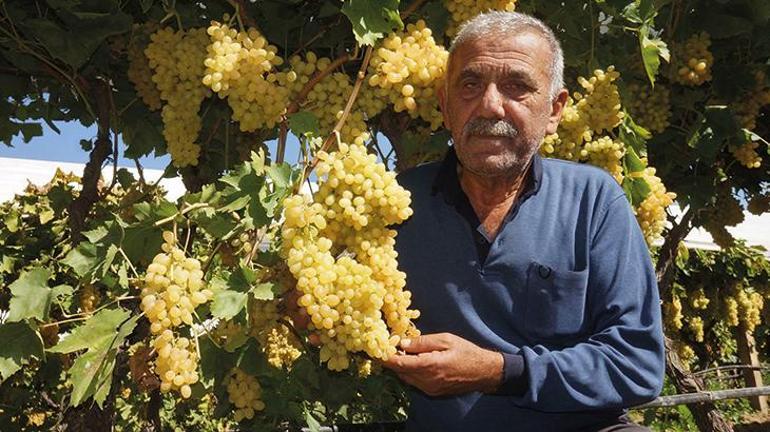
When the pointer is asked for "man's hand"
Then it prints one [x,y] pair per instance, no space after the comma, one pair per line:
[444,364]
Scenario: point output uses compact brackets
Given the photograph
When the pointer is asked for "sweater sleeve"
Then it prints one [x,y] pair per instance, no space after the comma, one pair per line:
[621,362]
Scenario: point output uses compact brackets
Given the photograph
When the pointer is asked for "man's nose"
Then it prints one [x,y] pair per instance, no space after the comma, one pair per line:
[491,103]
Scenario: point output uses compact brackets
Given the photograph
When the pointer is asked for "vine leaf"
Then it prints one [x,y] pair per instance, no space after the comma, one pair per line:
[303,122]
[20,343]
[228,303]
[31,296]
[101,335]
[652,51]
[372,19]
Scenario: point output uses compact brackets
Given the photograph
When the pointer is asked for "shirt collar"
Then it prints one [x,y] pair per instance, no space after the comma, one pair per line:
[448,183]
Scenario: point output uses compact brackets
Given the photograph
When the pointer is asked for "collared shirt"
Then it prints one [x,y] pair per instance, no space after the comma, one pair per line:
[566,293]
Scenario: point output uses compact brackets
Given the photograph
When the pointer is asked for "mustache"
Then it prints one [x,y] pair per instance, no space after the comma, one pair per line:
[489,127]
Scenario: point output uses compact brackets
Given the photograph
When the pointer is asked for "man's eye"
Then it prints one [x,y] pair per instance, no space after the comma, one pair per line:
[470,85]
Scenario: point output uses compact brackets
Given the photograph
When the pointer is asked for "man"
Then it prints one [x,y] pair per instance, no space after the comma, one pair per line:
[539,304]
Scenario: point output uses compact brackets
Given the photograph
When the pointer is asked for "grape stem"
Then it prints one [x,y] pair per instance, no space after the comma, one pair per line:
[85,316]
[335,133]
[184,211]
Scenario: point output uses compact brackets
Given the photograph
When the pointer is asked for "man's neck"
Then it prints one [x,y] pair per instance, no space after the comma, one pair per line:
[492,197]
[486,191]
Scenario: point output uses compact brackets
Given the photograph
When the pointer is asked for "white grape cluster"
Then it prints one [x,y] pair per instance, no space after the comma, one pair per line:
[650,108]
[280,345]
[651,213]
[747,154]
[245,393]
[464,10]
[177,59]
[356,301]
[606,153]
[327,99]
[596,110]
[140,73]
[407,69]
[749,105]
[173,288]
[240,67]
[177,363]
[691,61]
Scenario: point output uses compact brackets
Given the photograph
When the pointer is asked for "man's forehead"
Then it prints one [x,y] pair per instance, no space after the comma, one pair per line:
[499,47]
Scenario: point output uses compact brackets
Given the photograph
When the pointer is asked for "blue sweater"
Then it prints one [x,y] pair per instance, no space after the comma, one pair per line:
[566,291]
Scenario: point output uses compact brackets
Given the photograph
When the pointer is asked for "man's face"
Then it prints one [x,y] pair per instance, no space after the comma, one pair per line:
[497,102]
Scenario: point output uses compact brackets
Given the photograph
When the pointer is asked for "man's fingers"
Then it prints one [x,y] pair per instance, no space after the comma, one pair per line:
[401,363]
[426,343]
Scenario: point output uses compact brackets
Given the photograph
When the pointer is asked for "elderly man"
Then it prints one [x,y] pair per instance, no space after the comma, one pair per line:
[539,304]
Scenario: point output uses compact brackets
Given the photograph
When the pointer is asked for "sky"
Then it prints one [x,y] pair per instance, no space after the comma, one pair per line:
[65,147]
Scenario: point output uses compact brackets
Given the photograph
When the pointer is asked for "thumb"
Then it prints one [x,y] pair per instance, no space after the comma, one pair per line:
[426,343]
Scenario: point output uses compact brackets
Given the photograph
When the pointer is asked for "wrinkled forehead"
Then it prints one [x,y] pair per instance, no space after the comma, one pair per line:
[502,50]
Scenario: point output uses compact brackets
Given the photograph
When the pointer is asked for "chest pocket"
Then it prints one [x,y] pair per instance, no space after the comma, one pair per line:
[555,303]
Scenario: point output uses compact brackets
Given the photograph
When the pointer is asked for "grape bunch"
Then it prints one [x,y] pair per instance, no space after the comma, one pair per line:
[173,288]
[651,213]
[177,57]
[749,105]
[279,344]
[585,115]
[240,67]
[139,71]
[691,61]
[746,154]
[340,251]
[673,313]
[245,393]
[89,298]
[407,68]
[327,99]
[650,108]
[464,10]
[605,153]
[176,364]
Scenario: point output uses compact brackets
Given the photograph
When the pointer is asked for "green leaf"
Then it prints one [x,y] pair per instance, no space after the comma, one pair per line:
[228,304]
[264,291]
[75,45]
[372,19]
[636,189]
[62,295]
[97,331]
[82,259]
[216,224]
[303,122]
[652,51]
[242,279]
[280,174]
[91,373]
[20,342]
[640,11]
[436,16]
[31,296]
[311,421]
[633,163]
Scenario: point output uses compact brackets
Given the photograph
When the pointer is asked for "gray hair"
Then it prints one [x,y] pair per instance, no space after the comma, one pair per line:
[497,23]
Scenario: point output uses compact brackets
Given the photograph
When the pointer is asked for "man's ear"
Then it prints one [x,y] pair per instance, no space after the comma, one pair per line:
[557,108]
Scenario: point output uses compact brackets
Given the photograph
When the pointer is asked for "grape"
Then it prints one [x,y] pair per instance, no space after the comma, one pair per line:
[651,213]
[177,59]
[695,324]
[464,10]
[240,67]
[605,153]
[140,73]
[327,99]
[245,393]
[747,155]
[89,298]
[600,102]
[691,62]
[748,106]
[650,108]
[408,67]
[176,364]
[356,301]
[673,313]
